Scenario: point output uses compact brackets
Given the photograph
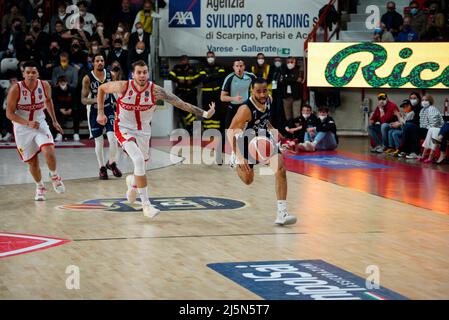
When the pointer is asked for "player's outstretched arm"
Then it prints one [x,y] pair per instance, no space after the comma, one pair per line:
[51,107]
[110,87]
[160,93]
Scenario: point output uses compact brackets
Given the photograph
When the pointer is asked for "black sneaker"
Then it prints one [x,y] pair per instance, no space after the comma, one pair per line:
[103,173]
[113,167]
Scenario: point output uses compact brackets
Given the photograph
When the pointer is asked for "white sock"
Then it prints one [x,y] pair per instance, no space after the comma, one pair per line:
[39,184]
[99,146]
[53,173]
[143,192]
[112,147]
[282,205]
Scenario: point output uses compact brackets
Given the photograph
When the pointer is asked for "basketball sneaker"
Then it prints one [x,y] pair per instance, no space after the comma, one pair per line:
[149,211]
[40,193]
[284,218]
[113,167]
[131,193]
[58,186]
[103,175]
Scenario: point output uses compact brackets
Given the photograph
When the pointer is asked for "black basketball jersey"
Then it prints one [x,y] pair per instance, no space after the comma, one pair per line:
[259,119]
[95,83]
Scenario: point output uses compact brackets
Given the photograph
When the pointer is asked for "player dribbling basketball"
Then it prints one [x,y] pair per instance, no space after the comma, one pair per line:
[253,118]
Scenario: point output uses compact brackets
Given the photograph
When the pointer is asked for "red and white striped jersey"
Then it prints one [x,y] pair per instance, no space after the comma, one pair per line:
[31,103]
[135,108]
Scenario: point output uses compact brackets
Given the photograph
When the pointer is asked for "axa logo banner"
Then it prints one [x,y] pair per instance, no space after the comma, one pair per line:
[301,280]
[378,65]
[184,14]
[339,162]
[163,204]
[12,244]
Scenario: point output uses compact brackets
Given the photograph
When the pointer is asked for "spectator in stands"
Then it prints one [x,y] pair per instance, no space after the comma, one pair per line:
[125,15]
[60,15]
[292,89]
[65,107]
[41,39]
[139,52]
[89,19]
[65,69]
[13,14]
[5,123]
[429,117]
[139,35]
[123,34]
[441,141]
[306,122]
[99,35]
[392,19]
[407,34]
[78,57]
[435,29]
[119,54]
[381,34]
[323,136]
[395,134]
[50,60]
[418,18]
[29,51]
[262,68]
[379,122]
[31,8]
[117,70]
[11,39]
[410,127]
[145,16]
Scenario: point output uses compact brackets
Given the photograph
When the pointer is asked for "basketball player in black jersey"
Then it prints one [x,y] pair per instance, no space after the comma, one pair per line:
[253,117]
[91,82]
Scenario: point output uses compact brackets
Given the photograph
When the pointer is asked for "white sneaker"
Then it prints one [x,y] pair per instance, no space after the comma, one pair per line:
[380,149]
[412,156]
[58,137]
[57,184]
[7,137]
[309,146]
[149,211]
[283,218]
[76,137]
[131,193]
[40,193]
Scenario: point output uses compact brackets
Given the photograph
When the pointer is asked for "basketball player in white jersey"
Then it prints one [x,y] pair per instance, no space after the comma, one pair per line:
[132,127]
[254,116]
[26,103]
[91,82]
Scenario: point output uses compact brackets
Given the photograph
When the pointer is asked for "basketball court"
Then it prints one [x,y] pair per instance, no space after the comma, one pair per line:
[215,237]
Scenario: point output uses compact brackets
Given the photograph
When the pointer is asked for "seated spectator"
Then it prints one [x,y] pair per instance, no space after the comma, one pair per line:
[418,18]
[441,141]
[5,123]
[50,60]
[117,72]
[13,14]
[302,124]
[99,35]
[407,34]
[89,18]
[435,29]
[323,136]
[78,57]
[65,69]
[28,51]
[379,122]
[41,38]
[429,117]
[392,19]
[395,134]
[60,15]
[410,127]
[137,53]
[65,107]
[381,34]
[119,54]
[145,17]
[125,15]
[139,35]
[123,34]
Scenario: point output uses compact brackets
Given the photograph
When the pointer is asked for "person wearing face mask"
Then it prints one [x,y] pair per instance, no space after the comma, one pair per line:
[292,89]
[123,34]
[396,133]
[65,106]
[14,14]
[379,122]
[125,14]
[212,76]
[29,51]
[262,69]
[417,17]
[139,35]
[145,17]
[436,26]
[307,122]
[139,52]
[51,59]
[89,18]
[322,137]
[65,69]
[41,39]
[381,34]
[119,54]
[392,19]
[407,34]
[60,15]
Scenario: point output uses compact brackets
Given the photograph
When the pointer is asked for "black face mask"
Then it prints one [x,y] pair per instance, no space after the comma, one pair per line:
[18,27]
[29,42]
[147,11]
[432,11]
[36,29]
[76,47]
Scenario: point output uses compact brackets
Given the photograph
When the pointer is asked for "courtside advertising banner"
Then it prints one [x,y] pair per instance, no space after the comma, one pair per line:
[237,27]
[379,65]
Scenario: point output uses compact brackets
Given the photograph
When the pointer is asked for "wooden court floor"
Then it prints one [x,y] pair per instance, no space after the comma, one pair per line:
[126,256]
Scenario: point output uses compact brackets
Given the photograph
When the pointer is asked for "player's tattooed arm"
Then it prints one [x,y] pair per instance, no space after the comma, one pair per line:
[160,93]
[85,92]
[109,87]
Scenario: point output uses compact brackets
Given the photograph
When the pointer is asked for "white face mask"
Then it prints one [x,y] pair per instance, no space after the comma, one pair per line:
[139,51]
[278,64]
[382,102]
[94,48]
[140,31]
[414,102]
[63,86]
[290,66]
[305,115]
[210,60]
[82,13]
[260,61]
[40,14]
[99,29]
[425,104]
[322,117]
[119,29]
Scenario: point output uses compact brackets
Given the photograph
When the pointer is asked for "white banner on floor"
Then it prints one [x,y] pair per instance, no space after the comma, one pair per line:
[237,27]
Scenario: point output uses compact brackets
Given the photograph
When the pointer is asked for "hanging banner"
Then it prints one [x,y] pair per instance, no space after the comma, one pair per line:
[237,27]
[379,65]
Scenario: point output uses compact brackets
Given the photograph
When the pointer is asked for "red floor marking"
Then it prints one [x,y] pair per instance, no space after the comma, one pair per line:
[12,244]
[419,186]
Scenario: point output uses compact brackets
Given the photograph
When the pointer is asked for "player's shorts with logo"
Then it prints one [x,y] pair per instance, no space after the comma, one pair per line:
[30,141]
[96,129]
[142,140]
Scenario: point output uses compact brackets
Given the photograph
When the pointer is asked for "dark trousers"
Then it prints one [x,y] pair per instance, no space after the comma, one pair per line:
[444,131]
[186,118]
[411,135]
[75,117]
[5,123]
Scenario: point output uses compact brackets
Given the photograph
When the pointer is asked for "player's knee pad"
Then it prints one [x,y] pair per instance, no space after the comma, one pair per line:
[136,157]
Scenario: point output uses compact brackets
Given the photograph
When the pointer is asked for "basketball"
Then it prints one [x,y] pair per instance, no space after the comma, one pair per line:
[261,149]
